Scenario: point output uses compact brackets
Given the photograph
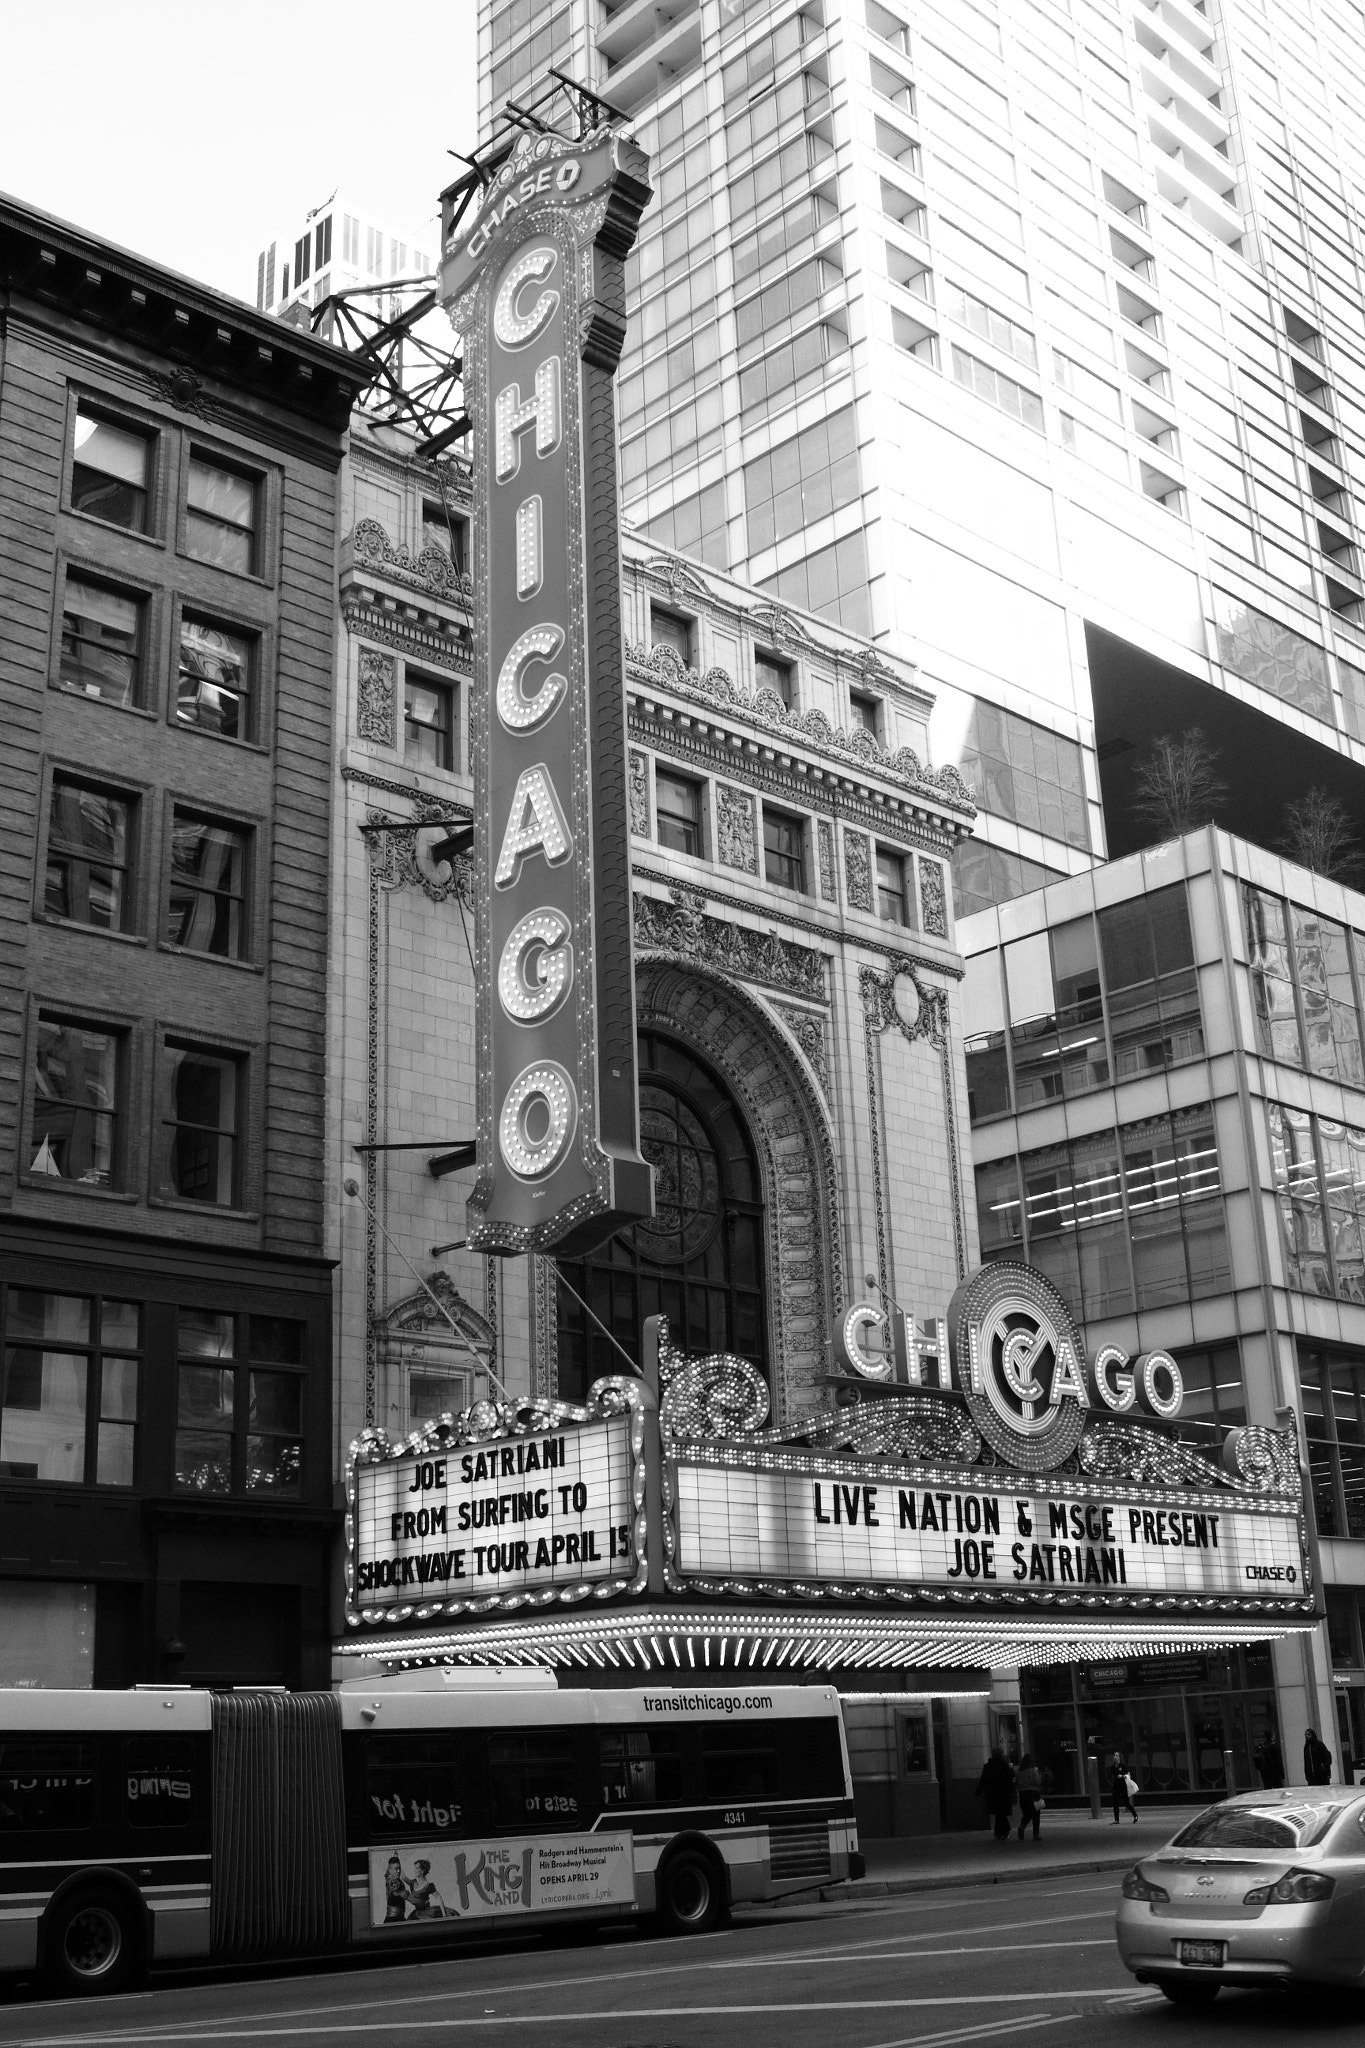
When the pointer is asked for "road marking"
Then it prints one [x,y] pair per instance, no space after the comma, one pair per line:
[913,1955]
[886,1940]
[1019,2025]
[272,2032]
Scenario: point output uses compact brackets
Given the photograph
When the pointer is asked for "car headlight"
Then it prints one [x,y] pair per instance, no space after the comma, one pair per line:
[1136,1886]
[1295,1888]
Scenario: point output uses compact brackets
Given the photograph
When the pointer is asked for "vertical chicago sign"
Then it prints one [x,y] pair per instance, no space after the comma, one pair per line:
[536,289]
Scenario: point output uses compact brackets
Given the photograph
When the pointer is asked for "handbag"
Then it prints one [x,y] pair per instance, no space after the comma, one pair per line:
[1042,1804]
[1130,1786]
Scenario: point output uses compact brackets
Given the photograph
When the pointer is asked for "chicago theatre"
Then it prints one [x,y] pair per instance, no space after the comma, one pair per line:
[668,1354]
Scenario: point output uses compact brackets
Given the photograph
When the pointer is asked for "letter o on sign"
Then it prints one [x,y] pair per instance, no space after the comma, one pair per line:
[538,1120]
[1163,1390]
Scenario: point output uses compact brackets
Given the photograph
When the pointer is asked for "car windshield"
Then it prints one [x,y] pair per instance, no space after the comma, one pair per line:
[1258,1827]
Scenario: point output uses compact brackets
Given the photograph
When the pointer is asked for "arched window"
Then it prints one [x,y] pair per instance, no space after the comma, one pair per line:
[699,1261]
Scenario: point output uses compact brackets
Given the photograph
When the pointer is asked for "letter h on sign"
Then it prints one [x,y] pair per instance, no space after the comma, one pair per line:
[536,289]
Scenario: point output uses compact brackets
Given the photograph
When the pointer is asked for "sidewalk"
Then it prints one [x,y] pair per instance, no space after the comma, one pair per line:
[1069,1842]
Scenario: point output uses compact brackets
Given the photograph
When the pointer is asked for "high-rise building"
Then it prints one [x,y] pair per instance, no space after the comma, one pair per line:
[335,248]
[1024,335]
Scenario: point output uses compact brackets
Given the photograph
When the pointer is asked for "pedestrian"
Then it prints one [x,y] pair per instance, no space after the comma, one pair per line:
[1317,1759]
[1121,1786]
[996,1787]
[1029,1785]
[1270,1763]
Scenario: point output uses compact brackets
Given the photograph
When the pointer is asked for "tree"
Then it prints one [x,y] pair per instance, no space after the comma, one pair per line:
[1318,834]
[1177,787]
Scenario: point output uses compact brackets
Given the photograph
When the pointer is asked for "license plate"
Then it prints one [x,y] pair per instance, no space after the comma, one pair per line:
[1202,1952]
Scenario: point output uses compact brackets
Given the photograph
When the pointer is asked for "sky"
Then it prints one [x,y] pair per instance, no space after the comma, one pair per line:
[195,135]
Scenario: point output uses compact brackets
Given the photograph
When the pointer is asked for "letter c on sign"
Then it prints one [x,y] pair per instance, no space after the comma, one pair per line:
[515,329]
[535,972]
[1164,1406]
[1112,1380]
[860,1317]
[538,1120]
[518,712]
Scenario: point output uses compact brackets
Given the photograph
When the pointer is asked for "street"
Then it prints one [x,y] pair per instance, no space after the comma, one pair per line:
[971,1965]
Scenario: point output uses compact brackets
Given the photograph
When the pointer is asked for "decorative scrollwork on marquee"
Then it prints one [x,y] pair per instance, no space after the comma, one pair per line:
[1255,1460]
[718,1396]
[901,1426]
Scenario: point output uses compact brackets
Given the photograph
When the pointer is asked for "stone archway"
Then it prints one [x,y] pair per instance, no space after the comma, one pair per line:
[760,1061]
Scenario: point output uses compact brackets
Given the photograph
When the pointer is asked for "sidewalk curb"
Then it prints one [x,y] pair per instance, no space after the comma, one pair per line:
[886,1887]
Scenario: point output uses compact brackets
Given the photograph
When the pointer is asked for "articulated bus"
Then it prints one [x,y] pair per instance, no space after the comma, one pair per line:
[167,1825]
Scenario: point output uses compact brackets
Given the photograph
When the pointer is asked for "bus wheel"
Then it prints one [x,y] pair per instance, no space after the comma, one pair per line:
[92,1944]
[690,1898]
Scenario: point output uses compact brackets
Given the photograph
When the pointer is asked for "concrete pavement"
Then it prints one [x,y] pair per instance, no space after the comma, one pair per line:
[1068,1842]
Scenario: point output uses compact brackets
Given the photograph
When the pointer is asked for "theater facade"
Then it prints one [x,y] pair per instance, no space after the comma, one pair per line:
[788,1425]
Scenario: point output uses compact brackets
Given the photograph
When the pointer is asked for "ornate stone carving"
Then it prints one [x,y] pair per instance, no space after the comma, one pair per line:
[857,870]
[376,715]
[933,907]
[899,1000]
[431,569]
[779,627]
[809,1032]
[824,846]
[404,853]
[184,390]
[639,792]
[912,1426]
[717,686]
[683,928]
[736,838]
[416,1315]
[678,579]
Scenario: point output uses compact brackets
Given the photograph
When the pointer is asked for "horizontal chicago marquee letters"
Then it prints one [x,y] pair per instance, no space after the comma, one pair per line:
[536,290]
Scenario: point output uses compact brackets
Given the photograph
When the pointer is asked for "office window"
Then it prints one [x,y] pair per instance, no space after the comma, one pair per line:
[1215,1393]
[1333,1383]
[696,526]
[110,471]
[1331,1028]
[448,532]
[206,900]
[999,1209]
[1057,1037]
[89,849]
[302,258]
[75,1103]
[428,723]
[865,713]
[69,1388]
[678,812]
[997,389]
[833,580]
[802,480]
[1024,772]
[993,326]
[670,629]
[983,1024]
[220,522]
[893,894]
[213,689]
[322,243]
[984,874]
[1272,980]
[239,1404]
[1151,983]
[199,1118]
[784,849]
[772,673]
[101,642]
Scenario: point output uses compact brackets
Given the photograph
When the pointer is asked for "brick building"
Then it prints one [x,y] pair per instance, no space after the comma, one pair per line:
[168,464]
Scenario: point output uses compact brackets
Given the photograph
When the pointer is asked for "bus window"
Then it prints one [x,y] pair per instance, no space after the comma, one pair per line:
[738,1763]
[640,1767]
[159,1781]
[413,1785]
[46,1782]
[812,1761]
[535,1780]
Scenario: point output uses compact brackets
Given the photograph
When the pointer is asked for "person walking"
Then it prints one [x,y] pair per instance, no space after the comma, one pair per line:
[1121,1786]
[1029,1785]
[1317,1759]
[996,1787]
[1270,1763]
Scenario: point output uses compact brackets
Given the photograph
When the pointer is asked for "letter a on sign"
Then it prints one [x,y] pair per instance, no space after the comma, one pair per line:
[534,285]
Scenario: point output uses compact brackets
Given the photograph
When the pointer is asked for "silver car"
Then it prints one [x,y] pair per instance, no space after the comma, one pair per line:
[1265,1888]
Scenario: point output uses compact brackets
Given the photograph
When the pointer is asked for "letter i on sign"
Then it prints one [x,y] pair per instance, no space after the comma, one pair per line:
[534,286]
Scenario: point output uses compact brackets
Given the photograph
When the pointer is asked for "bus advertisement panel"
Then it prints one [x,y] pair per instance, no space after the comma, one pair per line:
[490,1880]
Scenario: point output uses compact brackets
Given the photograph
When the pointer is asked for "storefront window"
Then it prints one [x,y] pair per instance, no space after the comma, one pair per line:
[1171,1717]
[239,1414]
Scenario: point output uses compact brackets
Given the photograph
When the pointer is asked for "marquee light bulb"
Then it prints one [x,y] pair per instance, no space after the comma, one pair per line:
[544,1086]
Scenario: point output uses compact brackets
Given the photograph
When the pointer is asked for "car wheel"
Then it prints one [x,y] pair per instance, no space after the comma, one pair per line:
[92,1944]
[690,1898]
[1188,1990]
